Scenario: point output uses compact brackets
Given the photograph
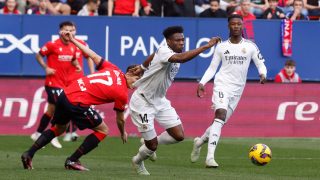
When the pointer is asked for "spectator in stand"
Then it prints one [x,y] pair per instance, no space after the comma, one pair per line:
[285,5]
[146,9]
[40,9]
[10,7]
[214,11]
[244,11]
[273,12]
[76,5]
[297,14]
[201,5]
[258,7]
[288,74]
[168,8]
[2,3]
[21,6]
[90,8]
[123,8]
[313,7]
[61,7]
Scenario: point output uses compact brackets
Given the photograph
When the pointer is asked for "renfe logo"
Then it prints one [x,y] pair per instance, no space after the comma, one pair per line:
[301,110]
[8,104]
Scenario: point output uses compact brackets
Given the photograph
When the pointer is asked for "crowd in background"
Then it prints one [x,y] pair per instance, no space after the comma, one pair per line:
[252,9]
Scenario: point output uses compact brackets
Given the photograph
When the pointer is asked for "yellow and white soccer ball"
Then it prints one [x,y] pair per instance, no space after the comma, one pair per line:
[260,154]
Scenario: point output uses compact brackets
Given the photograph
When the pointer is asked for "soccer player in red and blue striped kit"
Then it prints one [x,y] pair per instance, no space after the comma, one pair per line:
[107,85]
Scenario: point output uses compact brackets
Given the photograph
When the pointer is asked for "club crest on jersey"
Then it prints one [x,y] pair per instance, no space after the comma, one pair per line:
[244,50]
[60,49]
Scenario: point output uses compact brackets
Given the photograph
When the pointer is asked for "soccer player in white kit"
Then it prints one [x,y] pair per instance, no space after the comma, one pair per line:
[235,55]
[148,102]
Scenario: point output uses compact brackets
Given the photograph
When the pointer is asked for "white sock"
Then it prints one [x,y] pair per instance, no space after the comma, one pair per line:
[204,138]
[215,131]
[143,154]
[165,138]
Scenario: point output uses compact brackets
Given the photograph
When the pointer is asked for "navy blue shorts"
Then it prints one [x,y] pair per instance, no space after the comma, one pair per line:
[53,94]
[83,117]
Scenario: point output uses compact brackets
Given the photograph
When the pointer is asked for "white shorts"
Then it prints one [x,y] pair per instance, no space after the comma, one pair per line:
[143,114]
[223,99]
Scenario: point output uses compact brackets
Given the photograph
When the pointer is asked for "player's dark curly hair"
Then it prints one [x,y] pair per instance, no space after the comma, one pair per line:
[169,31]
[131,67]
[66,23]
[232,16]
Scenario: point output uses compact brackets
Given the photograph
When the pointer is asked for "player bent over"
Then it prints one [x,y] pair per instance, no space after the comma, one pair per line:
[148,102]
[107,85]
[235,55]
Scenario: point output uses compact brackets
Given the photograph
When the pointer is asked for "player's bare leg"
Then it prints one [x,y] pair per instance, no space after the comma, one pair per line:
[90,143]
[43,140]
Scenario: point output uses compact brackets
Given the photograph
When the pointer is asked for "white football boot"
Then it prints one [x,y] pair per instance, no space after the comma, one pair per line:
[139,168]
[74,136]
[67,137]
[55,143]
[211,163]
[153,157]
[195,154]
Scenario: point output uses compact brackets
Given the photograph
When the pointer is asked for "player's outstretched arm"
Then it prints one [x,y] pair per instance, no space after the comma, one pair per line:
[94,56]
[144,66]
[188,55]
[90,65]
[121,122]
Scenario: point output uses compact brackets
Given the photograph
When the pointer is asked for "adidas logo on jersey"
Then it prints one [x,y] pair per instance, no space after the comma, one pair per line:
[227,52]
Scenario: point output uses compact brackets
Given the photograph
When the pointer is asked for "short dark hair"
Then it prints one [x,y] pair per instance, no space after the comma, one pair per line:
[218,1]
[131,67]
[66,23]
[232,16]
[290,62]
[169,31]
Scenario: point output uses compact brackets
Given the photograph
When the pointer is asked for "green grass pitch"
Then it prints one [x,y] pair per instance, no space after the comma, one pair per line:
[295,159]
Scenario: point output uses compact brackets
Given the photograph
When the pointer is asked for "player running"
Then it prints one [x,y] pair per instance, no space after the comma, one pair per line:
[235,55]
[148,102]
[107,85]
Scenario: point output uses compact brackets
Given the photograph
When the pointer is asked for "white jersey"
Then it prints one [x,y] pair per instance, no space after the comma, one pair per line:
[159,76]
[235,60]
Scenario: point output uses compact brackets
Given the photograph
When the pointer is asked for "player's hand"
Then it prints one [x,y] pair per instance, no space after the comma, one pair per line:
[50,71]
[78,68]
[262,79]
[213,41]
[201,91]
[67,35]
[124,137]
[138,71]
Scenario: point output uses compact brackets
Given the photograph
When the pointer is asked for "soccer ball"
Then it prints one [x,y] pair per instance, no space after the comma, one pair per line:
[260,154]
